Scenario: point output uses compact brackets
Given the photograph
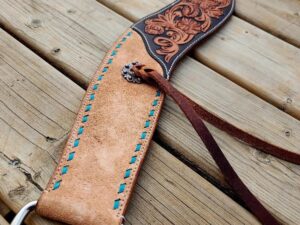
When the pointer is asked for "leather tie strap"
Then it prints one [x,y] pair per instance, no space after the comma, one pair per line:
[195,114]
[225,126]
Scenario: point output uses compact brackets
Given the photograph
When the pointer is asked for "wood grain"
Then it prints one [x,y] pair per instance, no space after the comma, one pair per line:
[252,58]
[216,93]
[280,17]
[223,97]
[26,169]
[276,183]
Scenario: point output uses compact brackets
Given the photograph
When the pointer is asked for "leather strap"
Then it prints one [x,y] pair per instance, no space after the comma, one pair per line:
[96,174]
[225,126]
[195,113]
[111,135]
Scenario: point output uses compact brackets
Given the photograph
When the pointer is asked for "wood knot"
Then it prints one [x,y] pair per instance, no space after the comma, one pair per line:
[288,132]
[71,11]
[289,101]
[15,162]
[55,51]
[36,23]
[262,157]
[51,139]
[17,191]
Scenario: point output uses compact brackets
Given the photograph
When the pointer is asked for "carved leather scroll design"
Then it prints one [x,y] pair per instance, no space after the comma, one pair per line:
[179,24]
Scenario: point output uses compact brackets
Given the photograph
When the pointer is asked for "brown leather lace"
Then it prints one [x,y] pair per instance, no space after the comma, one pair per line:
[195,113]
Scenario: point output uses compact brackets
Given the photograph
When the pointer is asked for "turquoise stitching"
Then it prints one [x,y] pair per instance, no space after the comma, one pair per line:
[100,77]
[147,124]
[114,53]
[76,143]
[57,185]
[84,120]
[152,112]
[71,156]
[92,97]
[138,147]
[117,203]
[88,108]
[155,102]
[133,160]
[95,88]
[144,135]
[122,188]
[64,170]
[80,130]
[105,69]
[127,173]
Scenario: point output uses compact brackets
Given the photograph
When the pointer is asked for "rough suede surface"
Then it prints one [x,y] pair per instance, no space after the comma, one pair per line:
[87,192]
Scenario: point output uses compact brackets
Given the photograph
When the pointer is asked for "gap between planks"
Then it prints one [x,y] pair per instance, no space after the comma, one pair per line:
[248,56]
[188,63]
[87,61]
[281,18]
[167,193]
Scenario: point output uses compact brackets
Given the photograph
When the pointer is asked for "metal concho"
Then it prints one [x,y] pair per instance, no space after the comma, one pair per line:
[129,75]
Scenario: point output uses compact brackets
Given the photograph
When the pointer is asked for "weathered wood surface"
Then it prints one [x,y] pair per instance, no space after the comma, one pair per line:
[28,158]
[43,25]
[280,17]
[252,58]
[84,23]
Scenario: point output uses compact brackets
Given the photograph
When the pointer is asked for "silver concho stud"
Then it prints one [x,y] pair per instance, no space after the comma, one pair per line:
[129,75]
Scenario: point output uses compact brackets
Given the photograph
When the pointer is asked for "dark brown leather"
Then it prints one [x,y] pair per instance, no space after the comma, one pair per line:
[172,31]
[195,114]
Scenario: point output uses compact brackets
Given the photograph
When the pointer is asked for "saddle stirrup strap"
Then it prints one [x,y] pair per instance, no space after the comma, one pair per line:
[191,110]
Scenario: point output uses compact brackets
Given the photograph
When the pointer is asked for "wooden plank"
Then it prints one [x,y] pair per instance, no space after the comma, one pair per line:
[276,183]
[25,170]
[280,17]
[211,90]
[16,189]
[54,29]
[4,210]
[252,58]
[90,26]
[3,221]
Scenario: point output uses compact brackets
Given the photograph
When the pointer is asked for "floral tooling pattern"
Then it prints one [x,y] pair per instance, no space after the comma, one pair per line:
[180,24]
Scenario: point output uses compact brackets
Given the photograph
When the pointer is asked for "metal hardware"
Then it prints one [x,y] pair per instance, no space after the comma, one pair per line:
[20,217]
[129,75]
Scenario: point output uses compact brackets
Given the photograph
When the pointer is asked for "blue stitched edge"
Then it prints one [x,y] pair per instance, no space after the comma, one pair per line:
[85,118]
[137,149]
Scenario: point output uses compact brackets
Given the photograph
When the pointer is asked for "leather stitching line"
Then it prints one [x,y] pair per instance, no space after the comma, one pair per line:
[143,142]
[82,118]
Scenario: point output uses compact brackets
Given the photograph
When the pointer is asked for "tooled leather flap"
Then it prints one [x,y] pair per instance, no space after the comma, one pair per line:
[172,31]
[94,180]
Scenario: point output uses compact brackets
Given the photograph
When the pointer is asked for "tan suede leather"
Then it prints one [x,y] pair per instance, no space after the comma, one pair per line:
[116,121]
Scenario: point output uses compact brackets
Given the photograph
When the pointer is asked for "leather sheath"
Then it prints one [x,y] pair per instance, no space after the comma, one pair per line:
[97,171]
